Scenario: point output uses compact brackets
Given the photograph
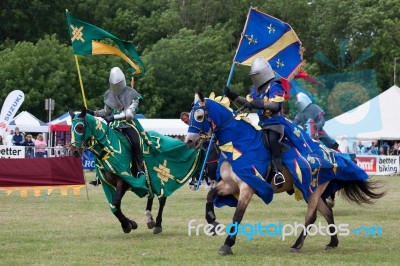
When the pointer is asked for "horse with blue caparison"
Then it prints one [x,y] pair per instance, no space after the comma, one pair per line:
[168,162]
[245,170]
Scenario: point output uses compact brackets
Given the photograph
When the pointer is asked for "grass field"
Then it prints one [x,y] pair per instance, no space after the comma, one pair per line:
[59,230]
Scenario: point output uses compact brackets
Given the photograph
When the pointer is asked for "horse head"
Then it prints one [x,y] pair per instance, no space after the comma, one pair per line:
[208,115]
[80,131]
[199,122]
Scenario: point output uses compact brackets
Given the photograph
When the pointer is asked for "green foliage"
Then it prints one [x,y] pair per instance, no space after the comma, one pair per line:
[186,46]
[42,70]
[184,68]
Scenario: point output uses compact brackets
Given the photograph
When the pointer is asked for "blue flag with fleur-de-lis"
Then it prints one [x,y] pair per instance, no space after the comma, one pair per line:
[268,37]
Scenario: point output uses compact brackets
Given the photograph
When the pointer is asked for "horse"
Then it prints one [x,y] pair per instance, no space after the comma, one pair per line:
[245,170]
[168,165]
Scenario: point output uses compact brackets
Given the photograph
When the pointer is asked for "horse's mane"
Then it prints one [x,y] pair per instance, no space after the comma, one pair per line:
[225,102]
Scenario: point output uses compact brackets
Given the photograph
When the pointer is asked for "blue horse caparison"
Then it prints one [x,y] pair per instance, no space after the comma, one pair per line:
[244,163]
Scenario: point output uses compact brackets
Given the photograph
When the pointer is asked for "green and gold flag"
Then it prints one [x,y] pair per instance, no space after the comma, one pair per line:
[85,39]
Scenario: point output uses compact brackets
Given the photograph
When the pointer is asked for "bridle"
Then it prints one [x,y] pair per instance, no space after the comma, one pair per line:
[81,134]
[202,133]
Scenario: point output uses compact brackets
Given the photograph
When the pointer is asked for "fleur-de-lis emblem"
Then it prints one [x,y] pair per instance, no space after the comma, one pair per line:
[271,29]
[297,132]
[77,34]
[279,63]
[310,159]
[251,39]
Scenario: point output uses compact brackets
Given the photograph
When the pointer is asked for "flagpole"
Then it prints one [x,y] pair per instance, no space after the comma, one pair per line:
[213,135]
[205,161]
[84,103]
[80,81]
[79,75]
[230,75]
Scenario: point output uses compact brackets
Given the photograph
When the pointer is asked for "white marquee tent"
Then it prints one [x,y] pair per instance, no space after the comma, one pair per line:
[171,127]
[377,119]
[27,122]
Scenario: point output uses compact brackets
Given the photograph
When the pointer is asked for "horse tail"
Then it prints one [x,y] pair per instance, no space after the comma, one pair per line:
[362,192]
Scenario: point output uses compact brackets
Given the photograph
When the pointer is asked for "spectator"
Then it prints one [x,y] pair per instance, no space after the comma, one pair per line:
[67,148]
[395,149]
[185,117]
[384,149]
[374,150]
[29,144]
[8,139]
[360,148]
[18,138]
[40,146]
[59,149]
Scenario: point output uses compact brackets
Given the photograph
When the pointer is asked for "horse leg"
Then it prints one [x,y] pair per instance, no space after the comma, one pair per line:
[328,215]
[246,193]
[212,173]
[126,224]
[210,214]
[311,216]
[158,228]
[221,189]
[149,216]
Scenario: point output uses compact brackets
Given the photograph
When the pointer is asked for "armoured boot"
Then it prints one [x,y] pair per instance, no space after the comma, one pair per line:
[137,163]
[279,179]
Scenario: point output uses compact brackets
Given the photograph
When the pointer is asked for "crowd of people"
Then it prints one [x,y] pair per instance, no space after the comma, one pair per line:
[375,148]
[34,147]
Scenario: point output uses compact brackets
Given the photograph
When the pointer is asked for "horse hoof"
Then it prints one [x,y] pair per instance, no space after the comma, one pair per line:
[151,224]
[327,247]
[149,220]
[157,230]
[225,250]
[127,229]
[133,224]
[294,250]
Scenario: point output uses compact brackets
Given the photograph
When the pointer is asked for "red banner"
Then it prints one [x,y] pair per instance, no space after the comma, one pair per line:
[41,172]
[38,174]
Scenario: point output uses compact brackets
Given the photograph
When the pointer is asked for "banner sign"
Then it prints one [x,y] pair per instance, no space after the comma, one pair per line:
[388,165]
[88,161]
[379,165]
[12,151]
[10,107]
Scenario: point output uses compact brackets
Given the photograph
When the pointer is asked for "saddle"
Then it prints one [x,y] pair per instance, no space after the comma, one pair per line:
[277,128]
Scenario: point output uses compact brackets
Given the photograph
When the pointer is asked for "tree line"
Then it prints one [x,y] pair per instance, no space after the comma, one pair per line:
[189,45]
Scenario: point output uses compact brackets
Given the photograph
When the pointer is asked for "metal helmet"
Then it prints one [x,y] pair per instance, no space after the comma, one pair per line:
[117,80]
[260,72]
[302,101]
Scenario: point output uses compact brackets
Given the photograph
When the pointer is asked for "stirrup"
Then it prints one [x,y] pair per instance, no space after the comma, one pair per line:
[279,175]
[139,173]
